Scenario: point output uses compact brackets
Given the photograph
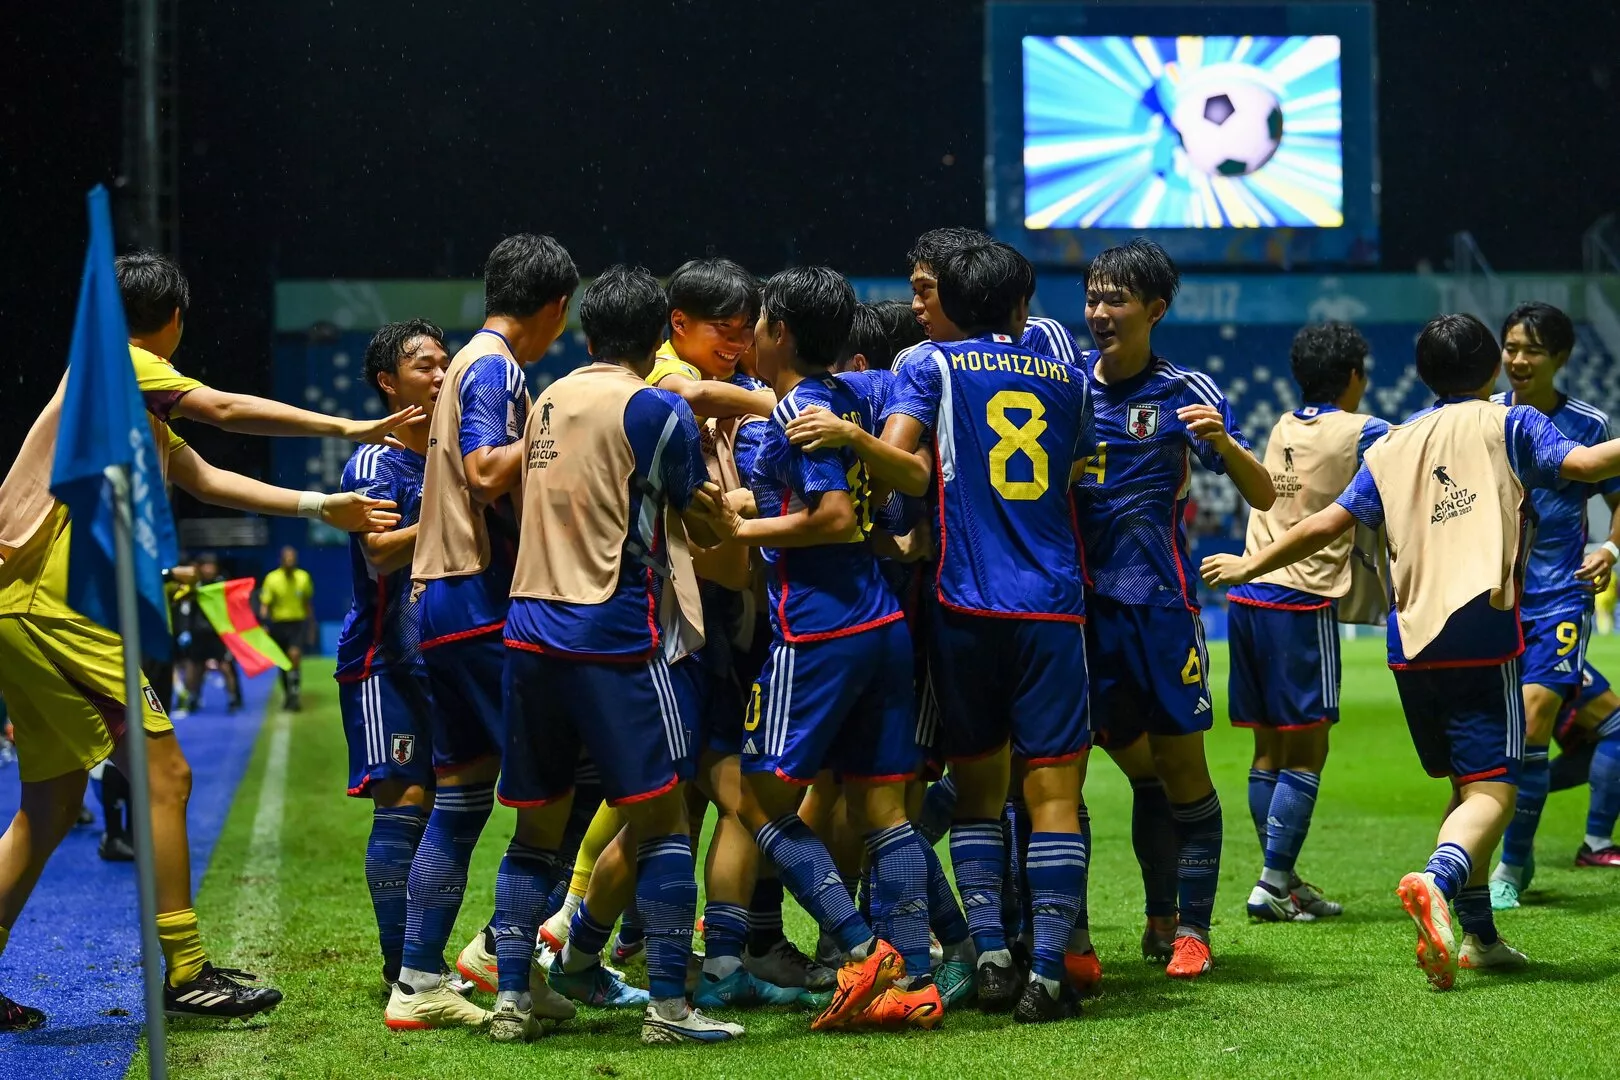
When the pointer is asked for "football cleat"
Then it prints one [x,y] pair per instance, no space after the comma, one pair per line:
[1497,956]
[859,982]
[1038,1006]
[596,985]
[954,978]
[509,1024]
[436,1008]
[1504,895]
[476,962]
[622,951]
[693,1027]
[828,954]
[554,932]
[1268,906]
[1310,901]
[1437,944]
[784,965]
[741,989]
[1189,957]
[15,1016]
[1159,939]
[1604,856]
[897,1008]
[545,1002]
[1084,971]
[998,986]
[219,994]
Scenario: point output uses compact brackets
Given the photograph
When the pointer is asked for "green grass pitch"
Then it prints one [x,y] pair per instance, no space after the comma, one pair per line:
[285,897]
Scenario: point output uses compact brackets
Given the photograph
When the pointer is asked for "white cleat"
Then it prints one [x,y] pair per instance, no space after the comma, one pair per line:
[1267,906]
[512,1024]
[476,963]
[547,1003]
[436,1008]
[554,931]
[785,965]
[1309,899]
[1498,956]
[1437,942]
[693,1027]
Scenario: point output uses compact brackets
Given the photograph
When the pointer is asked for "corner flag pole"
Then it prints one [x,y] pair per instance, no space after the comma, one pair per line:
[140,802]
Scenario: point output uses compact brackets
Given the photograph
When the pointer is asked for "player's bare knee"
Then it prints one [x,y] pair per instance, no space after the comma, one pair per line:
[658,816]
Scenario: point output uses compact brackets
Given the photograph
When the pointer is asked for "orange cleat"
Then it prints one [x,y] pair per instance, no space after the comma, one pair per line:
[897,1008]
[1437,942]
[859,982]
[1084,971]
[1190,958]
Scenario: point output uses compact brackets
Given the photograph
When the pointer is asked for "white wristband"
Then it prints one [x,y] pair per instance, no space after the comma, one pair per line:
[1612,549]
[310,504]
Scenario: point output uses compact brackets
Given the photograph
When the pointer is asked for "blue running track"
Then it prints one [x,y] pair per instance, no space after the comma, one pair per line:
[76,951]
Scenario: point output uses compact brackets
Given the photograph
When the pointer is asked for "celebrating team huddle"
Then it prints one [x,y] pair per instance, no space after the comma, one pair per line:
[864,576]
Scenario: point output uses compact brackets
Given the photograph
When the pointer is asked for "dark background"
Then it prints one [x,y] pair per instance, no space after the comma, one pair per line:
[347,138]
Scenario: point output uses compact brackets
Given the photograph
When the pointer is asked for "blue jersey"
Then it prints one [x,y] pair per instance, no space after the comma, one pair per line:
[1550,587]
[831,590]
[383,630]
[1050,338]
[746,381]
[1008,426]
[668,449]
[1477,634]
[1132,493]
[494,408]
[898,513]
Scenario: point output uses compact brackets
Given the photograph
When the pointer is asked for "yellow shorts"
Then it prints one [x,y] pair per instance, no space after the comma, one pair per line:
[63,681]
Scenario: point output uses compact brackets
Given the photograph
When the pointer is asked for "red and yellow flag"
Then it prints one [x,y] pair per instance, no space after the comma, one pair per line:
[228,606]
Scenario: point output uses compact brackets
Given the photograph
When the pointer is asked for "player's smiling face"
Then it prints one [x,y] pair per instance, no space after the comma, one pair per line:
[1530,367]
[1120,323]
[420,374]
[713,346]
[925,305]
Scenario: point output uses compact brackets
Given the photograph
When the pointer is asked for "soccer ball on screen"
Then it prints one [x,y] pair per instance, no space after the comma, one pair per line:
[1230,122]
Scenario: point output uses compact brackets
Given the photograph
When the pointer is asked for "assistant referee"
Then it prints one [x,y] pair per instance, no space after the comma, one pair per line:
[284,600]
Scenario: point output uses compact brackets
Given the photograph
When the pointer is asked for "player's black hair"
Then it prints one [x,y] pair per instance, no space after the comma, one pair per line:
[1547,325]
[981,286]
[713,289]
[1140,266]
[1324,356]
[932,246]
[393,343]
[526,272]
[152,287]
[1456,354]
[901,330]
[818,305]
[622,313]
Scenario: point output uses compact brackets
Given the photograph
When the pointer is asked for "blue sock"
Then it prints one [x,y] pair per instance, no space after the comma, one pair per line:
[1262,786]
[945,916]
[1082,918]
[587,936]
[631,930]
[899,863]
[522,890]
[438,876]
[938,806]
[805,867]
[1605,780]
[1015,828]
[978,855]
[1451,868]
[1057,879]
[666,896]
[395,833]
[725,929]
[1474,912]
[765,914]
[1520,839]
[1290,817]
[1198,866]
[1153,836]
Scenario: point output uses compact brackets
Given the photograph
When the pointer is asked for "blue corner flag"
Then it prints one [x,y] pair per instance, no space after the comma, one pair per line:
[104,424]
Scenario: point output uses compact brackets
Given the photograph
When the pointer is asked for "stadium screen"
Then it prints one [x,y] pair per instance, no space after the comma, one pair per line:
[1226,147]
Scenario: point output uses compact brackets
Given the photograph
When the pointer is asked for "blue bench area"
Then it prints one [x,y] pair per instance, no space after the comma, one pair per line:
[76,951]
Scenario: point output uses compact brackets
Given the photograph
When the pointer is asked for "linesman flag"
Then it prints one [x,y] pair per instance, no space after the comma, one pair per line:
[228,606]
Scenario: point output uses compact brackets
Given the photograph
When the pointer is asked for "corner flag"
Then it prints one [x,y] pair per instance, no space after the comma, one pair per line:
[104,425]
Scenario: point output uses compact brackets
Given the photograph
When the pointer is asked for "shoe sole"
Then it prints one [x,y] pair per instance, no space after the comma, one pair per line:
[175,1014]
[661,1035]
[846,1008]
[471,975]
[1438,964]
[552,941]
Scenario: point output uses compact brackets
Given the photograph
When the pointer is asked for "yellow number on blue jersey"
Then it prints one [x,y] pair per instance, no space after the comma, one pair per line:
[1569,636]
[1016,439]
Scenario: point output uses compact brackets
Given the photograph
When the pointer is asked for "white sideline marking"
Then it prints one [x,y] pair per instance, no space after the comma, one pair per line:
[256,924]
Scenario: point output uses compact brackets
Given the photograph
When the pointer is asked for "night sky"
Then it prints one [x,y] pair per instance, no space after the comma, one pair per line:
[330,138]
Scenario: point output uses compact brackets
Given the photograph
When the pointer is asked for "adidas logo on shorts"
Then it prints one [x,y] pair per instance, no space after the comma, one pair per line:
[1203,706]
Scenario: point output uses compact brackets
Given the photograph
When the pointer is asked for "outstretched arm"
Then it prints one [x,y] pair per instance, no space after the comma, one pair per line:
[245,414]
[348,510]
[1306,538]
[717,399]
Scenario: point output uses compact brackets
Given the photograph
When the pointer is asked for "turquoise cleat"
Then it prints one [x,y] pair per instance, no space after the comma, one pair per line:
[598,986]
[741,989]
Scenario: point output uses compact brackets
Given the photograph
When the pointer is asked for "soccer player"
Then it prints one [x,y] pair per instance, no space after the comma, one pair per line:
[712,307]
[825,698]
[1150,689]
[1590,736]
[585,662]
[62,676]
[382,687]
[1556,610]
[286,597]
[1449,487]
[1284,681]
[462,570]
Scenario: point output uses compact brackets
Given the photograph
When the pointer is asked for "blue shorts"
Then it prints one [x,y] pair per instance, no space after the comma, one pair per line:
[1555,650]
[624,716]
[1467,723]
[469,716]
[1285,667]
[1021,681]
[711,710]
[1151,672]
[388,722]
[1593,686]
[844,704]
